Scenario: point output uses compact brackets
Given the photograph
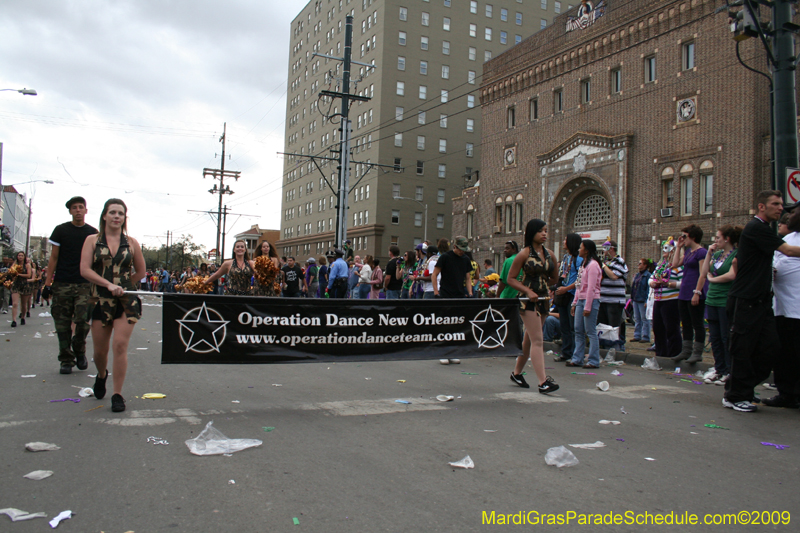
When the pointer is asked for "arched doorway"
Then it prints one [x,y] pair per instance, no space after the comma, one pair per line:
[591,217]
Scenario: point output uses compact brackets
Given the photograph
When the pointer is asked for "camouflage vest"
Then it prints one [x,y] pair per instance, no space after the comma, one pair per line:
[116,269]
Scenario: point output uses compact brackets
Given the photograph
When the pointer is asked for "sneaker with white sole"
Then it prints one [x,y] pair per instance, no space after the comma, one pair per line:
[711,376]
[444,361]
[710,372]
[723,380]
[455,361]
[743,406]
[548,386]
[519,380]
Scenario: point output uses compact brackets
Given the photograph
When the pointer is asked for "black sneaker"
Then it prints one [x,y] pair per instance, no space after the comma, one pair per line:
[21,321]
[117,403]
[28,314]
[13,323]
[520,380]
[100,386]
[781,401]
[66,368]
[81,361]
[548,386]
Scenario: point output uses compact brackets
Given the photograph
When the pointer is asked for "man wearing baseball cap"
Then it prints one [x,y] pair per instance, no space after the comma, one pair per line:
[70,290]
[456,271]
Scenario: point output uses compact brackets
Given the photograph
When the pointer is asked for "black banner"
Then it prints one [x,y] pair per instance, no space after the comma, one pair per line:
[240,329]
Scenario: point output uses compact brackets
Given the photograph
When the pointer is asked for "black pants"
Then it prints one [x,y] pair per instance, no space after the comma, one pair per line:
[787,360]
[567,323]
[613,314]
[666,328]
[753,343]
[692,320]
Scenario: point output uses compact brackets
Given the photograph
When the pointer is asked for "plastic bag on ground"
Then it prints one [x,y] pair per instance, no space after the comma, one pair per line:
[607,333]
[17,515]
[651,364]
[560,456]
[466,462]
[41,447]
[212,442]
[611,356]
[38,475]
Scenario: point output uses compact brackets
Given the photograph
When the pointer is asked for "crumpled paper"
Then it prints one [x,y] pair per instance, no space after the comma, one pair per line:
[41,447]
[466,462]
[589,446]
[17,515]
[63,515]
[38,475]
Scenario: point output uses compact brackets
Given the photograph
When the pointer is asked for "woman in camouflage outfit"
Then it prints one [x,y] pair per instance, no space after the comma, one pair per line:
[19,288]
[111,261]
[239,272]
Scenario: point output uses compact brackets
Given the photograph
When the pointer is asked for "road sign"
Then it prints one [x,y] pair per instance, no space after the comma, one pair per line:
[792,185]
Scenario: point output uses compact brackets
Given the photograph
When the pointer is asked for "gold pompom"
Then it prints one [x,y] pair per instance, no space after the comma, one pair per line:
[266,272]
[197,285]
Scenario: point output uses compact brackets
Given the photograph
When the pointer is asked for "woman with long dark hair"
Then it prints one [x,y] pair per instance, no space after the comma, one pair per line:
[267,289]
[565,293]
[586,307]
[690,254]
[364,278]
[112,261]
[22,265]
[540,270]
[239,270]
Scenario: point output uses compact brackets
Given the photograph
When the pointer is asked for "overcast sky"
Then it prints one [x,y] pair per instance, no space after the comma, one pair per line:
[132,98]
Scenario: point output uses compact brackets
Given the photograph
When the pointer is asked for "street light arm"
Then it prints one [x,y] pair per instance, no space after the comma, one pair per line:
[27,92]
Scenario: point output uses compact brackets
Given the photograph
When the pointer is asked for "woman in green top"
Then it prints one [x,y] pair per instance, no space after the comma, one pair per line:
[718,267]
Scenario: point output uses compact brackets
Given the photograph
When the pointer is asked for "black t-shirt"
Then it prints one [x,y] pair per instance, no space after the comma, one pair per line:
[391,270]
[292,278]
[454,274]
[70,238]
[754,260]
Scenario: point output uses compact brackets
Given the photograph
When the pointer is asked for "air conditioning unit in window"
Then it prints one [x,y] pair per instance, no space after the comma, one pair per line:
[495,229]
[666,212]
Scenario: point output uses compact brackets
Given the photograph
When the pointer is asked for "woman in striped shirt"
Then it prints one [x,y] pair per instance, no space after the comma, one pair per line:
[666,282]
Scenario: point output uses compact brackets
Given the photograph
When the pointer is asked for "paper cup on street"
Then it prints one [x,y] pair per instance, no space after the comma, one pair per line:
[603,386]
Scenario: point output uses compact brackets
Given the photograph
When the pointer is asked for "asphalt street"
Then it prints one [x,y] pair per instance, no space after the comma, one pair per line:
[345,456]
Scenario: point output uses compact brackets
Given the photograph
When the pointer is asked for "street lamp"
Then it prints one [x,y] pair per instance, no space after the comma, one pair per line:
[425,238]
[27,92]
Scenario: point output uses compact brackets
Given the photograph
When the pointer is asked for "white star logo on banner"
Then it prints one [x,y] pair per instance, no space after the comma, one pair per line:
[205,334]
[489,328]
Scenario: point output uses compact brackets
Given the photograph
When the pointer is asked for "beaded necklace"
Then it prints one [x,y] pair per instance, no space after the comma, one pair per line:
[721,261]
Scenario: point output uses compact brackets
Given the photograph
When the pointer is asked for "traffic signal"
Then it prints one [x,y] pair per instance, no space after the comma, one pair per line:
[743,25]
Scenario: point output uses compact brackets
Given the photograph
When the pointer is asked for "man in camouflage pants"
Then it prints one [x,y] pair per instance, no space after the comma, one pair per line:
[70,290]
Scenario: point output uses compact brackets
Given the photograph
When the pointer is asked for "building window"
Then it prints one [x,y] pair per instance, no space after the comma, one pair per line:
[401,88]
[518,216]
[686,195]
[446,23]
[423,43]
[420,168]
[398,113]
[650,69]
[533,109]
[394,240]
[401,63]
[470,101]
[487,55]
[395,216]
[487,34]
[558,101]
[473,7]
[518,19]
[509,218]
[418,219]
[498,215]
[542,24]
[423,67]
[442,121]
[473,53]
[586,91]
[421,117]
[488,11]
[473,30]
[442,146]
[470,151]
[442,170]
[688,55]
[402,38]
[439,221]
[706,193]
[443,96]
[446,48]
[419,191]
[398,139]
[503,37]
[445,72]
[395,190]
[511,117]
[470,221]
[517,39]
[616,80]
[403,13]
[557,7]
[423,92]
[544,5]
[504,14]
[426,19]
[396,167]
[470,125]
[440,196]
[446,3]
[420,142]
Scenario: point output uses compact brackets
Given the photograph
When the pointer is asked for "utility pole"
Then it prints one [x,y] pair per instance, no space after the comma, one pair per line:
[224,230]
[158,251]
[225,214]
[221,174]
[344,160]
[745,23]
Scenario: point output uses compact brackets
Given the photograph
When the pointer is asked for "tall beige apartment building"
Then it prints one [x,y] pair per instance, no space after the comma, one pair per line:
[422,121]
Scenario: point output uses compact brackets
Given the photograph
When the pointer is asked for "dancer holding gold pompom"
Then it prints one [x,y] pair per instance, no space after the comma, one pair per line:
[239,270]
[267,271]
